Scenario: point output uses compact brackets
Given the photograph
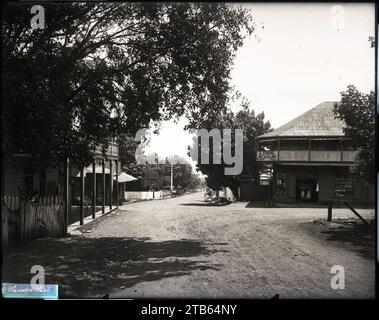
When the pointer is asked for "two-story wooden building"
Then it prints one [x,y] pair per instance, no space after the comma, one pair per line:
[310,159]
[84,191]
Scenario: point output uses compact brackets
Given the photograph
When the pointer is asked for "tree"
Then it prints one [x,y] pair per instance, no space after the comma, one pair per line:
[100,70]
[358,112]
[253,126]
[127,147]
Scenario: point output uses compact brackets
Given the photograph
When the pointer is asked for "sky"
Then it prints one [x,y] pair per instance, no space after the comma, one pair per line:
[299,56]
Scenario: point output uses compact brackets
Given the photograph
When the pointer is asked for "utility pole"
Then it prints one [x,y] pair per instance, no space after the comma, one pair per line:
[172,178]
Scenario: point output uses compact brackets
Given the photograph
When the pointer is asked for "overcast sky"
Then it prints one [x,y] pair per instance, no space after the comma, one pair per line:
[302,55]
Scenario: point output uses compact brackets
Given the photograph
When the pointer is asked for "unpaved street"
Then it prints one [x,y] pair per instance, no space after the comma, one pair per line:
[184,247]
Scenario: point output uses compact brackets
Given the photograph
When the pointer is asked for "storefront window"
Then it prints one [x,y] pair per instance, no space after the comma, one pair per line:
[344,187]
[281,183]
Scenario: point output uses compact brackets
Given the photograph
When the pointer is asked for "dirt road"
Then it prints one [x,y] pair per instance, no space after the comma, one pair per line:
[183,247]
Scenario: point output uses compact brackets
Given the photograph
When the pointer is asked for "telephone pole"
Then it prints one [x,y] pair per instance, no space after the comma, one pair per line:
[172,178]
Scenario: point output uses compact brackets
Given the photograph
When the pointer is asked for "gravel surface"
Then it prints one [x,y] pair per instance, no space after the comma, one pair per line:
[183,247]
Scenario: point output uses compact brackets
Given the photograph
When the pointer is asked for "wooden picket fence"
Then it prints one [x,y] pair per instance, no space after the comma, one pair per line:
[33,219]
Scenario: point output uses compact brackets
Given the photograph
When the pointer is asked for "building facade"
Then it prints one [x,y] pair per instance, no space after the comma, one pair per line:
[311,160]
[84,191]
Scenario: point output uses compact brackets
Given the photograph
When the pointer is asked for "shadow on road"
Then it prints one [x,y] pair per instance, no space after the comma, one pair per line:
[93,267]
[256,204]
[263,204]
[205,204]
[355,233]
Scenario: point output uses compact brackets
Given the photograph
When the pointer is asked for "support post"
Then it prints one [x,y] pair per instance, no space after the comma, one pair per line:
[278,148]
[309,149]
[94,189]
[356,213]
[117,188]
[82,196]
[111,184]
[270,185]
[66,188]
[341,146]
[172,179]
[103,187]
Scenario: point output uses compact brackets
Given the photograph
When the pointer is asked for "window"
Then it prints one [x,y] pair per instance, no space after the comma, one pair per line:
[281,183]
[294,145]
[325,145]
[344,187]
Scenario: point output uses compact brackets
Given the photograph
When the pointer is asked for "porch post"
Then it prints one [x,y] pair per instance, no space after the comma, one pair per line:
[278,148]
[117,188]
[309,149]
[94,189]
[66,192]
[341,147]
[270,182]
[103,188]
[82,196]
[111,184]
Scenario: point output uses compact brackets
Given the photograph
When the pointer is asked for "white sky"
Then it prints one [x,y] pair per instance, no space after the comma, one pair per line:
[307,54]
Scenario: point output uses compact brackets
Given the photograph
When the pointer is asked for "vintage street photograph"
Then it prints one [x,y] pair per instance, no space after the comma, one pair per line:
[188,150]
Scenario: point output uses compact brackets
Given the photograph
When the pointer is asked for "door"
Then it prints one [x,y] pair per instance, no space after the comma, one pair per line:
[306,190]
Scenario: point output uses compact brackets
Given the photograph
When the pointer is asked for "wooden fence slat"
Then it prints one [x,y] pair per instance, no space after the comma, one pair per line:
[35,219]
[4,226]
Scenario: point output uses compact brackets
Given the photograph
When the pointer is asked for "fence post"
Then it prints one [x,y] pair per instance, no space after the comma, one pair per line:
[330,208]
[21,227]
[4,225]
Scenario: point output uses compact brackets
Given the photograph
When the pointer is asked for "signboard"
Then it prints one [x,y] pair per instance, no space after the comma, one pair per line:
[29,291]
[266,155]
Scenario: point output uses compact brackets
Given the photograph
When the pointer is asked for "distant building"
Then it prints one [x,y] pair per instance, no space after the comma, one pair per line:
[311,159]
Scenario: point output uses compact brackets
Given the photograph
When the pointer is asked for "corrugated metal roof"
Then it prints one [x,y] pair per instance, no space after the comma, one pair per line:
[319,121]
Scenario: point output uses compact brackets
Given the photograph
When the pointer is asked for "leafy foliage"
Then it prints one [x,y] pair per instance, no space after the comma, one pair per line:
[253,126]
[99,70]
[358,111]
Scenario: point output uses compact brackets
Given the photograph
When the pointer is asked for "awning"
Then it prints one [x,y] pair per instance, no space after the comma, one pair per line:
[124,177]
[98,170]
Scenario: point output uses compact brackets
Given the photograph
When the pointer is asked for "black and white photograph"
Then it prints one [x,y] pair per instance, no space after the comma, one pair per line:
[183,150]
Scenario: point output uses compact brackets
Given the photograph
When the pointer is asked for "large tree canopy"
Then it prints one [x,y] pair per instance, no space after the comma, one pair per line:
[357,109]
[100,70]
[253,125]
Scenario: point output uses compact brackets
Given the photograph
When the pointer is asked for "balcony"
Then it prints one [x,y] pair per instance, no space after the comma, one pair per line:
[335,156]
[267,156]
[111,151]
[293,155]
